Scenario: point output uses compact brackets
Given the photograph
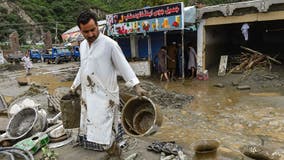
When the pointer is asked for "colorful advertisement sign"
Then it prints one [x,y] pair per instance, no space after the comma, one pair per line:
[160,18]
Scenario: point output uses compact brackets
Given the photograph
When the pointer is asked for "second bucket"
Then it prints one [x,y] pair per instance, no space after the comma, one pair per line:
[141,117]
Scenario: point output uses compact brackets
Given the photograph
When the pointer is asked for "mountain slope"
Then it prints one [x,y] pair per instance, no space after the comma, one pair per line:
[30,18]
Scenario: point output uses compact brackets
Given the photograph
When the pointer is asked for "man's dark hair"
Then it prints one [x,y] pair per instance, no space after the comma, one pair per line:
[85,17]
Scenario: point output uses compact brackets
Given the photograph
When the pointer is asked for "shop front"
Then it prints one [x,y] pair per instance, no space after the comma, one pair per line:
[141,33]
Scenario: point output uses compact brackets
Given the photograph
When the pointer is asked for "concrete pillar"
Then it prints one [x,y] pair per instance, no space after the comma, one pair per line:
[201,47]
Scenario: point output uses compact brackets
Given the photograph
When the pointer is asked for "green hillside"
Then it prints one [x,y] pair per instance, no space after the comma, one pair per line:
[47,13]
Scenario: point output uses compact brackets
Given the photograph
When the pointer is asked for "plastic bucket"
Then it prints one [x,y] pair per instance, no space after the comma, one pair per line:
[26,123]
[71,110]
[141,117]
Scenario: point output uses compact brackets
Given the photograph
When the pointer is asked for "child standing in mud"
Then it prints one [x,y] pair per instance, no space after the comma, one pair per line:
[27,63]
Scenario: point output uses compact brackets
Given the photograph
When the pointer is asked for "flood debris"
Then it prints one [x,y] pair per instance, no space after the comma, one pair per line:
[180,156]
[161,96]
[60,143]
[251,58]
[270,76]
[57,132]
[259,78]
[259,152]
[243,87]
[3,125]
[3,104]
[71,110]
[33,143]
[22,81]
[234,83]
[131,157]
[219,85]
[53,102]
[33,90]
[21,104]
[206,146]
[13,152]
[169,148]
[11,67]
[26,123]
[141,117]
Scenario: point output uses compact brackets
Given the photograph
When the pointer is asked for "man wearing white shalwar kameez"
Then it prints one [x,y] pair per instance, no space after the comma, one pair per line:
[27,63]
[101,58]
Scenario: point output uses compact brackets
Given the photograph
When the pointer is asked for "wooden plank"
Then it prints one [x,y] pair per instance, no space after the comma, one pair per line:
[54,98]
[3,104]
[239,67]
[253,51]
[223,65]
[54,102]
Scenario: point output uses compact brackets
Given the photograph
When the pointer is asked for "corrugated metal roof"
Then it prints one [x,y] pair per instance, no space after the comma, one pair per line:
[76,28]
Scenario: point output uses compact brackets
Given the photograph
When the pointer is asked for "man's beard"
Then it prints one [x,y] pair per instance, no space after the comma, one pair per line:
[91,39]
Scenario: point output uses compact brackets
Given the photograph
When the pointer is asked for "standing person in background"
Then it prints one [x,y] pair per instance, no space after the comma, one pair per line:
[172,53]
[27,63]
[192,60]
[162,55]
[101,58]
[179,61]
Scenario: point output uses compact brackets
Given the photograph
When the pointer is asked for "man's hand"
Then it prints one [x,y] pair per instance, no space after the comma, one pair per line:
[140,91]
[73,90]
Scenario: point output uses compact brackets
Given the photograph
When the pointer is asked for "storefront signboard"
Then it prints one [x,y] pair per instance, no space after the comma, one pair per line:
[159,18]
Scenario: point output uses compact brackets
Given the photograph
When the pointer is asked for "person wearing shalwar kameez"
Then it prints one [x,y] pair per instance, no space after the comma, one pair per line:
[27,63]
[101,59]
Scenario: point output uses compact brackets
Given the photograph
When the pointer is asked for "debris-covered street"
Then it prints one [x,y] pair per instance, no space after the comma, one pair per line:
[192,110]
[142,80]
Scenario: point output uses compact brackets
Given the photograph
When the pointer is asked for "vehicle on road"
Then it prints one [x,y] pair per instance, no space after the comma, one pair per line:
[76,53]
[35,55]
[57,55]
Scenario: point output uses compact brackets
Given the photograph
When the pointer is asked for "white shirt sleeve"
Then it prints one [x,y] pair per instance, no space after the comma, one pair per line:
[77,80]
[123,66]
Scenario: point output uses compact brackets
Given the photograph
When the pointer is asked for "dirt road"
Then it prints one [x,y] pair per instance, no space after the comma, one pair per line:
[234,117]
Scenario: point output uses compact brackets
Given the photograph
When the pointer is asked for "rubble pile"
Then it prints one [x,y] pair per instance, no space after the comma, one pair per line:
[255,70]
[161,96]
[251,58]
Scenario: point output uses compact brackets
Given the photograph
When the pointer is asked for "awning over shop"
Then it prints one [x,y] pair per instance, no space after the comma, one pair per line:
[74,34]
[189,15]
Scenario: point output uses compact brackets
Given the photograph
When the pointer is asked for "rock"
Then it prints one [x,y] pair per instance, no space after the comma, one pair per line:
[57,132]
[219,85]
[243,87]
[235,83]
[258,152]
[22,81]
[131,157]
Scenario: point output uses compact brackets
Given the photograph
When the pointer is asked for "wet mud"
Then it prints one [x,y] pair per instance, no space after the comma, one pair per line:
[194,110]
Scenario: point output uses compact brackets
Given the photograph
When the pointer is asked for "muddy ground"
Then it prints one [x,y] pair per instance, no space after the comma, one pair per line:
[193,110]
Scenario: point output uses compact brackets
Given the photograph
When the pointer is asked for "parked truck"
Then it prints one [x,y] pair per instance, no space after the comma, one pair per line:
[76,53]
[57,55]
[35,55]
